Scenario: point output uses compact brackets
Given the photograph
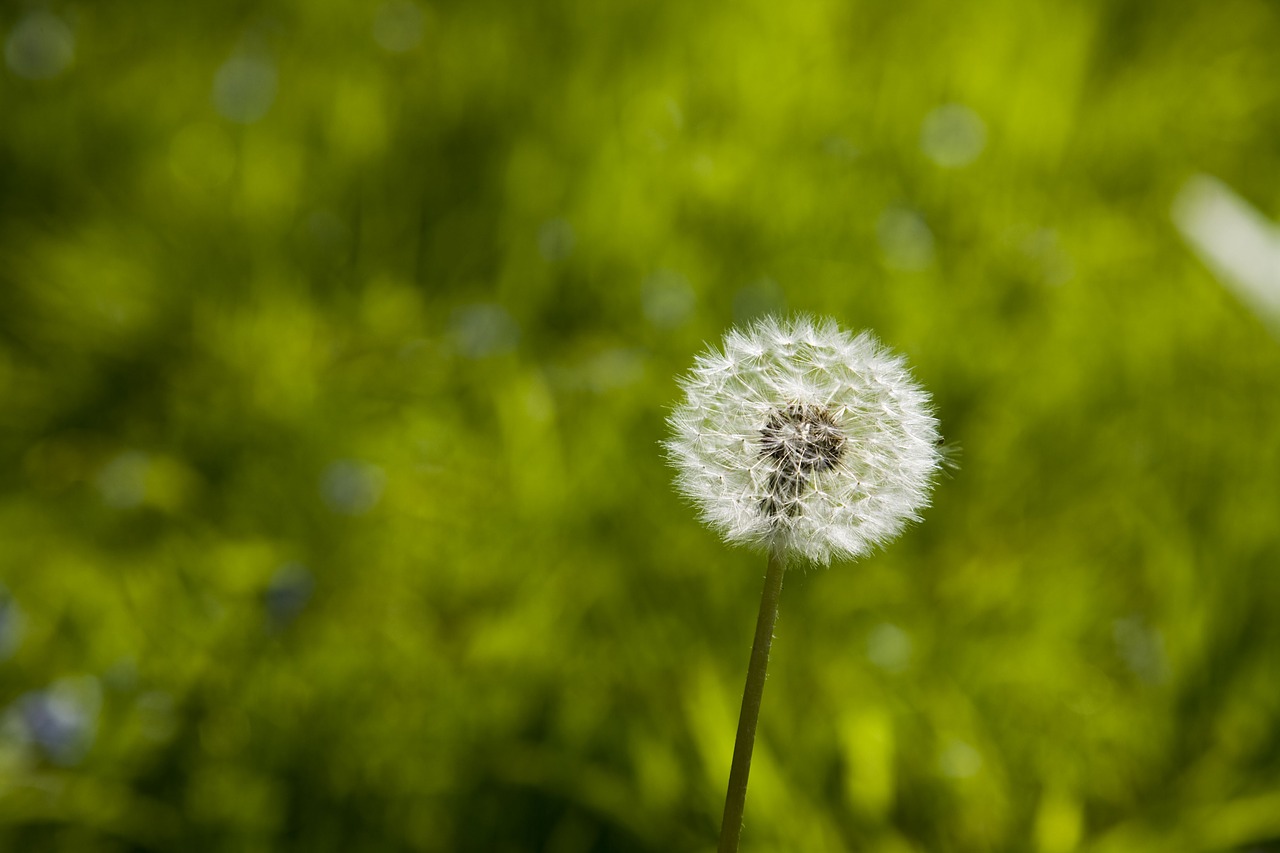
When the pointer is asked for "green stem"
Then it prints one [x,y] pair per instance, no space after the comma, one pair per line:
[736,798]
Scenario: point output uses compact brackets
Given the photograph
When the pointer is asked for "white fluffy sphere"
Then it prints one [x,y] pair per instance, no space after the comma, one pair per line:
[801,435]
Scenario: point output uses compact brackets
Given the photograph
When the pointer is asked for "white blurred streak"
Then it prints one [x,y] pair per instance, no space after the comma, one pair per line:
[1239,244]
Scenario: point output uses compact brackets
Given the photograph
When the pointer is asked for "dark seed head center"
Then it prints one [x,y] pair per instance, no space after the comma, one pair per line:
[798,441]
[802,440]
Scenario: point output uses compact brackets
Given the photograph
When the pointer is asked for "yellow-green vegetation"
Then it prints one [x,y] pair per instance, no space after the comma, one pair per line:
[336,342]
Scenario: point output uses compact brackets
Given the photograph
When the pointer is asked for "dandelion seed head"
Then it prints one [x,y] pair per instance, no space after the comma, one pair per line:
[798,433]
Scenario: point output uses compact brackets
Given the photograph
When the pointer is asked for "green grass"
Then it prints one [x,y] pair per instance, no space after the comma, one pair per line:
[415,330]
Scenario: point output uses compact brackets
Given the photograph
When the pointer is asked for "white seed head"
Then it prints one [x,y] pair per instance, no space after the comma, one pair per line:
[799,434]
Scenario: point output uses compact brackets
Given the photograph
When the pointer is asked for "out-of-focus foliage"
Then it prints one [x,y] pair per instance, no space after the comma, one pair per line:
[336,340]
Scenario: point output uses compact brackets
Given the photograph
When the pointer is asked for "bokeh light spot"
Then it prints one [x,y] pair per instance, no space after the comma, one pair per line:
[760,297]
[889,647]
[1141,648]
[484,330]
[556,240]
[397,27]
[959,760]
[668,299]
[122,482]
[40,47]
[905,240]
[352,488]
[244,89]
[1044,248]
[613,368]
[953,136]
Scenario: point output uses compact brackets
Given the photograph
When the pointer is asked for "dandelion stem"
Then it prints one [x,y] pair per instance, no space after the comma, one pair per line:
[735,799]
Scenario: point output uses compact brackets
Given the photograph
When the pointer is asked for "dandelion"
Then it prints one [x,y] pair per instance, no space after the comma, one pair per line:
[799,438]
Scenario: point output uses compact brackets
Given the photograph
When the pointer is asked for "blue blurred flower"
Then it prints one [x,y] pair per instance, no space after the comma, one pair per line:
[60,721]
[288,593]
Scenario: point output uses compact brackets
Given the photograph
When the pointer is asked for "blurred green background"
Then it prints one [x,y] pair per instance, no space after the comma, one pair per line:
[336,341]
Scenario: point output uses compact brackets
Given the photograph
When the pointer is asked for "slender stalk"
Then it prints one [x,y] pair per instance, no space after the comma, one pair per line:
[736,798]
